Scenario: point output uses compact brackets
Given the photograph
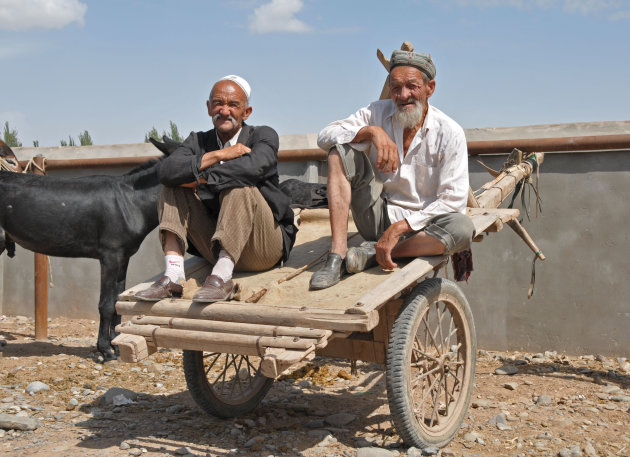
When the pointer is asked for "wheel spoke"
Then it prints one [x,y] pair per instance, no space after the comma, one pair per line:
[446,394]
[237,375]
[216,357]
[429,390]
[436,397]
[447,342]
[440,317]
[423,375]
[426,324]
[424,354]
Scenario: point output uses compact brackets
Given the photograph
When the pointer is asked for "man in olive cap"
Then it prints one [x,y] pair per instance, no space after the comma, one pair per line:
[401,166]
[221,194]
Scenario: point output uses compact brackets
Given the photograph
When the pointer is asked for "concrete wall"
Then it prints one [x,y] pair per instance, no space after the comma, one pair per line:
[579,305]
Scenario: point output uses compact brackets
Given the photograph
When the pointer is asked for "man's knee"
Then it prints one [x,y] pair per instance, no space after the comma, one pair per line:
[238,193]
[454,230]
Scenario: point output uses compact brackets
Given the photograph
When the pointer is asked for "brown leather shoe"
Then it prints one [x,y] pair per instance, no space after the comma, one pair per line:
[160,289]
[214,289]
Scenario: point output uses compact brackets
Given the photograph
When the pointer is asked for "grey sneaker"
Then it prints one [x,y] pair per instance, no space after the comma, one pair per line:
[361,257]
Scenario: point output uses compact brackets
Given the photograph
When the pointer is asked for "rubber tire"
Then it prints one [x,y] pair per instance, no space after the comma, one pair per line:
[398,369]
[204,396]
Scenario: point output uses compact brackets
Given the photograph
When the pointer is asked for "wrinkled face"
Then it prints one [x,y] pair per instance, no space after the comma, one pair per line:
[228,108]
[407,88]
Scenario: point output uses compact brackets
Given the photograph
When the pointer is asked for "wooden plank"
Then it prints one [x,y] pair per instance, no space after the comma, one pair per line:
[505,214]
[182,339]
[231,327]
[490,219]
[253,314]
[133,348]
[395,283]
[367,351]
[387,315]
[276,360]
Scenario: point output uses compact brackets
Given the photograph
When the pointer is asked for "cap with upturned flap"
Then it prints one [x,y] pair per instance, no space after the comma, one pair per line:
[422,62]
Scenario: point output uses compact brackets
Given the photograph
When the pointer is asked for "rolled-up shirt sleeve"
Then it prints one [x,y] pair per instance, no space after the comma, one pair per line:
[344,131]
[452,194]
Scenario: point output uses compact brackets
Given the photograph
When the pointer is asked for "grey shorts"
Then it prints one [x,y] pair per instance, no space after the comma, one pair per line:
[369,210]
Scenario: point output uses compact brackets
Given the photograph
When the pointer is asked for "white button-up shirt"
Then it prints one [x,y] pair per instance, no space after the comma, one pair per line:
[231,142]
[431,179]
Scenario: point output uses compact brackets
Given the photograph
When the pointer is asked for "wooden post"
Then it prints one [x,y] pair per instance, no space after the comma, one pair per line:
[41,274]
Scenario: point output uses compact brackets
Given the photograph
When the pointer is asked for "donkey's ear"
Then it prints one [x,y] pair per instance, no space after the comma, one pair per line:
[167,147]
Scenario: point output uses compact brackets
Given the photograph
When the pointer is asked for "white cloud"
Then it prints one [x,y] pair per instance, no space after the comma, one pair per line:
[278,16]
[40,14]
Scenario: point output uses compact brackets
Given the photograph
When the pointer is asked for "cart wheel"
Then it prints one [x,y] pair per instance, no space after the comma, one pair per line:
[431,364]
[225,385]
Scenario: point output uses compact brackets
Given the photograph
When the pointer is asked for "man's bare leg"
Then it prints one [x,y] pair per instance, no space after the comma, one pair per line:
[339,195]
[171,244]
[421,244]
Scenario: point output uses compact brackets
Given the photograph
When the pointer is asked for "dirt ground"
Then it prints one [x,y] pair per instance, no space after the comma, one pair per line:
[554,405]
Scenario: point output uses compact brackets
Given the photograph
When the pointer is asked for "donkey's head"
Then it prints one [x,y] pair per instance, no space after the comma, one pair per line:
[8,161]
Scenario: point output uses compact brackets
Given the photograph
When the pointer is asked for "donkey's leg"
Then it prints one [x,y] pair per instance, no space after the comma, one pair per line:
[120,288]
[110,266]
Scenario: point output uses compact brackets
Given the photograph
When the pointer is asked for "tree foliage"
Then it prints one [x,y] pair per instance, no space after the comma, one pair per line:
[70,142]
[153,133]
[85,139]
[10,137]
[172,133]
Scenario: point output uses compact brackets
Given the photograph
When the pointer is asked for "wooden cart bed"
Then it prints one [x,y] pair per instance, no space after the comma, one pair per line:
[274,315]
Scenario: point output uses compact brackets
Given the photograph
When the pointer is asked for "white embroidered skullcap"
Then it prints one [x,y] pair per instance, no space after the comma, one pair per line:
[241,82]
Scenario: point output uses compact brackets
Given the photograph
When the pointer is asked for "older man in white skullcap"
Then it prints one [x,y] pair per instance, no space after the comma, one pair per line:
[221,199]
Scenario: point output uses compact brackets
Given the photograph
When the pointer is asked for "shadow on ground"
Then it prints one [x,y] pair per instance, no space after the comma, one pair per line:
[165,423]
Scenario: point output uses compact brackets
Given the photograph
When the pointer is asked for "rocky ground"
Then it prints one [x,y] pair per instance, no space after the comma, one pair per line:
[56,399]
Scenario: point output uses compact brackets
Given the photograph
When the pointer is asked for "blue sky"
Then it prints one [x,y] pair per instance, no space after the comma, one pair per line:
[118,68]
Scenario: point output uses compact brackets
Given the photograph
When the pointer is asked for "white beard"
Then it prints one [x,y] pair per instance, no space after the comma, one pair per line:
[409,119]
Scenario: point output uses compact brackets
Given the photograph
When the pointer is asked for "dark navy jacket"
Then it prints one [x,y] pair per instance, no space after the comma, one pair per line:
[258,168]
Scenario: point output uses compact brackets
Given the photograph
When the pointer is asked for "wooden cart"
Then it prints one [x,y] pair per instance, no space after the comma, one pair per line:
[421,328]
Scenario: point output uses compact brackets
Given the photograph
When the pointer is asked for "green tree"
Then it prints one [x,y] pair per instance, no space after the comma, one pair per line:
[85,139]
[153,133]
[70,142]
[35,143]
[10,136]
[173,134]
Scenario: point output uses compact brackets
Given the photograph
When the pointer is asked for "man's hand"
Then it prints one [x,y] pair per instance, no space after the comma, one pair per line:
[388,241]
[386,149]
[225,154]
[232,152]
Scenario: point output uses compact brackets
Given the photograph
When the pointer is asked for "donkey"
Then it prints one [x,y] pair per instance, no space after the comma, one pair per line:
[98,217]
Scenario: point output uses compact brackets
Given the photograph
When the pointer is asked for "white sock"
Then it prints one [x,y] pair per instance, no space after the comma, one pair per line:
[174,268]
[224,266]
